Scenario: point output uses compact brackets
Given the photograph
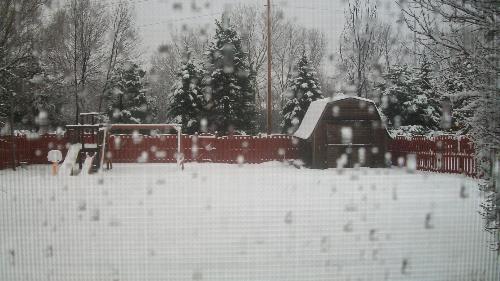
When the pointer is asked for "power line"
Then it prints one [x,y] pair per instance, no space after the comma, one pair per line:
[180,19]
[108,4]
[323,9]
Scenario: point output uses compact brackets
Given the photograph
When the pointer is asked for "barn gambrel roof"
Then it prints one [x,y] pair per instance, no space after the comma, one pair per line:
[316,110]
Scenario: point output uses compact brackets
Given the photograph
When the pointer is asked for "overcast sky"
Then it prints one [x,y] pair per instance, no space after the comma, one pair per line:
[158,18]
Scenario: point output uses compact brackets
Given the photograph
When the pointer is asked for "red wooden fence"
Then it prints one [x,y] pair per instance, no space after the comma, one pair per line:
[445,154]
[161,148]
[448,154]
[4,153]
[234,149]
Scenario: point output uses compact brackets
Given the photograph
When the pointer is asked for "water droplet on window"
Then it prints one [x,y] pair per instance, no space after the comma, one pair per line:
[42,119]
[348,227]
[240,159]
[342,161]
[143,158]
[335,110]
[401,162]
[96,215]
[428,218]
[197,276]
[346,135]
[160,154]
[136,137]
[362,156]
[411,163]
[325,244]
[289,217]
[117,141]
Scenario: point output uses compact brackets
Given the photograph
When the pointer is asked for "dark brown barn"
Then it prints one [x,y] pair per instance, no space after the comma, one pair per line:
[343,131]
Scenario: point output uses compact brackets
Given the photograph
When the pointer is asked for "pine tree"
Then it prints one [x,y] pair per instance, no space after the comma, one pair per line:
[457,85]
[428,99]
[188,100]
[408,98]
[230,95]
[305,89]
[127,99]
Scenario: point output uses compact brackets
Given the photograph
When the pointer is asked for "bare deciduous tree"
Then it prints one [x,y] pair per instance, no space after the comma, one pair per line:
[360,44]
[88,25]
[288,42]
[84,42]
[19,21]
[123,41]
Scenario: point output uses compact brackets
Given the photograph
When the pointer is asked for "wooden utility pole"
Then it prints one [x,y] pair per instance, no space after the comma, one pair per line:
[11,121]
[269,76]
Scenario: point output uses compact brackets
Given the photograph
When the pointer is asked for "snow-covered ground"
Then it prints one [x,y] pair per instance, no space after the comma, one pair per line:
[247,222]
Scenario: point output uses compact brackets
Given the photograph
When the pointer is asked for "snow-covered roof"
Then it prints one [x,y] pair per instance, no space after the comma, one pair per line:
[311,118]
[315,111]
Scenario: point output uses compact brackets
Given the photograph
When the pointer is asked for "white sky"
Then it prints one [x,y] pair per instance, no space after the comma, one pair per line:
[158,18]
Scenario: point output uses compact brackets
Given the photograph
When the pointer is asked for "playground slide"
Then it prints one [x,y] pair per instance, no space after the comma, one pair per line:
[70,160]
[87,165]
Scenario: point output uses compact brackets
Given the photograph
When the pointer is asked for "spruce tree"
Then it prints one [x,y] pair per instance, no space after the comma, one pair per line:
[304,89]
[457,85]
[408,98]
[428,99]
[187,104]
[126,97]
[230,95]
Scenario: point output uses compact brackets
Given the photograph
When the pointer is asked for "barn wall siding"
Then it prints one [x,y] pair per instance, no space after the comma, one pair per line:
[366,146]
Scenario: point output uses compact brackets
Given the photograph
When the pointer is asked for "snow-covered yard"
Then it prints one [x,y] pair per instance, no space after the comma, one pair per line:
[248,222]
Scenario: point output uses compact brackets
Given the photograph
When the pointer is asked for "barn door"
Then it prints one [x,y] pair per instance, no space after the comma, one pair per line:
[348,143]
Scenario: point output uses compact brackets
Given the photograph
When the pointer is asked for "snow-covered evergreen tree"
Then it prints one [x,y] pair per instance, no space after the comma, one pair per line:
[230,97]
[408,98]
[304,89]
[457,85]
[187,104]
[127,99]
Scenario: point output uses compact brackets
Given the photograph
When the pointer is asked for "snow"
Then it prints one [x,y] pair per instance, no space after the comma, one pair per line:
[311,118]
[87,165]
[241,222]
[91,145]
[70,159]
[89,113]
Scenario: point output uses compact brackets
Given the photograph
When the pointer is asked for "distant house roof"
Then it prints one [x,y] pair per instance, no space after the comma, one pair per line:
[315,111]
